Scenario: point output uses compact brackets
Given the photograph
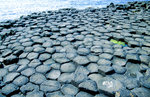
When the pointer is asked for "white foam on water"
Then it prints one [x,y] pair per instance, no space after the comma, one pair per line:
[13,9]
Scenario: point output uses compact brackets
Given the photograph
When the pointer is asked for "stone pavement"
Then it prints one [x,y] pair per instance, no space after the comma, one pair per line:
[68,53]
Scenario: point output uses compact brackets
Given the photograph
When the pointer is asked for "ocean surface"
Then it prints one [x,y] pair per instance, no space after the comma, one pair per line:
[13,9]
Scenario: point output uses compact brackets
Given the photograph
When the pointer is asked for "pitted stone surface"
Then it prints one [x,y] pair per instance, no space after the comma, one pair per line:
[37,78]
[10,77]
[69,89]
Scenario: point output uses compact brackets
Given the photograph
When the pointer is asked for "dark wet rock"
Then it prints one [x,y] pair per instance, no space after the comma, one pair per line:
[68,67]
[53,74]
[10,77]
[3,72]
[81,74]
[21,80]
[50,86]
[43,68]
[83,94]
[29,87]
[93,58]
[44,56]
[66,77]
[34,63]
[92,67]
[141,92]
[9,88]
[88,85]
[35,94]
[69,89]
[109,85]
[119,69]
[28,72]
[10,59]
[32,55]
[55,94]
[81,60]
[104,62]
[37,78]
[103,69]
[145,81]
[119,61]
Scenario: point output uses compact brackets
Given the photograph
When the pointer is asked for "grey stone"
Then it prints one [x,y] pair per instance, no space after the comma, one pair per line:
[10,77]
[6,52]
[50,86]
[23,62]
[83,51]
[145,81]
[18,95]
[106,56]
[119,69]
[100,95]
[32,55]
[9,88]
[96,49]
[145,59]
[68,67]
[21,67]
[104,62]
[39,49]
[34,63]
[50,50]
[132,57]
[3,72]
[29,87]
[84,94]
[55,94]
[37,78]
[23,55]
[35,94]
[141,92]
[47,44]
[43,68]
[71,55]
[53,74]
[80,74]
[44,56]
[81,60]
[109,85]
[105,69]
[28,72]
[92,67]
[119,61]
[79,37]
[131,83]
[119,54]
[66,77]
[69,89]
[124,93]
[21,80]
[89,85]
[28,49]
[13,67]
[95,77]
[133,70]
[93,58]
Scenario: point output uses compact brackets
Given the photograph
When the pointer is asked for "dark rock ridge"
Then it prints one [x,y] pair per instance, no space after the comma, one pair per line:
[68,53]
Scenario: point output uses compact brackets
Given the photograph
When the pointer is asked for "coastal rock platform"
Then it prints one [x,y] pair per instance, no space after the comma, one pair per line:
[69,53]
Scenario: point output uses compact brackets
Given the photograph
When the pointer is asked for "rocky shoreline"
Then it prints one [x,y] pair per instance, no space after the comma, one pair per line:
[68,53]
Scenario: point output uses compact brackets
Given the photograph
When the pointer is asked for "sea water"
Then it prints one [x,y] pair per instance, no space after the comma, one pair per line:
[13,9]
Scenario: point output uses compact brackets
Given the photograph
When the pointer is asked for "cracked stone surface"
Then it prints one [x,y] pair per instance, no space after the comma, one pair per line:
[70,53]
